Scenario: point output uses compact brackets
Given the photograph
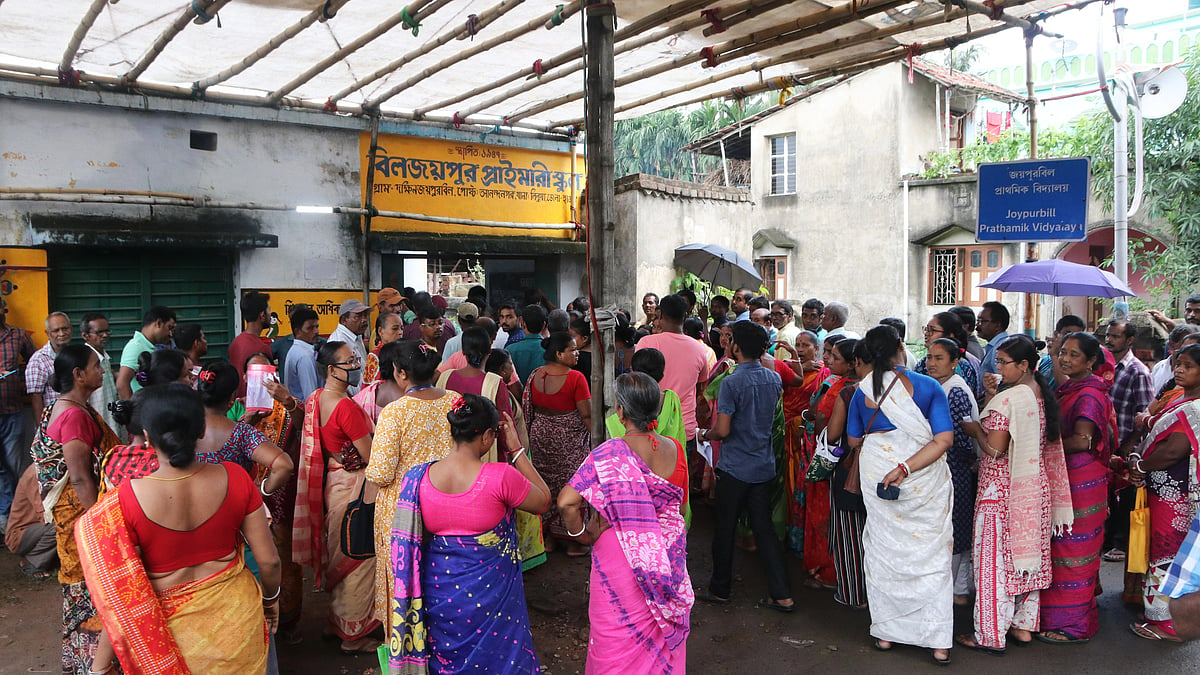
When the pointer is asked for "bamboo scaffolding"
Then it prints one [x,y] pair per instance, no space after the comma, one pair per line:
[418,11]
[488,15]
[670,12]
[805,53]
[271,45]
[797,55]
[210,7]
[81,31]
[576,66]
[734,18]
[533,24]
[799,29]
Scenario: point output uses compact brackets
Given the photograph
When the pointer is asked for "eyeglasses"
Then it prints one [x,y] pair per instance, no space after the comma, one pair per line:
[354,361]
[1004,362]
[778,313]
[930,330]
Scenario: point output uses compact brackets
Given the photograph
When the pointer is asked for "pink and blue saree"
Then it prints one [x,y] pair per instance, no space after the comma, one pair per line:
[460,600]
[641,594]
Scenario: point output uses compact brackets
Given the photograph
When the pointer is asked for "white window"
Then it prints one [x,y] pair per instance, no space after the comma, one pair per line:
[783,165]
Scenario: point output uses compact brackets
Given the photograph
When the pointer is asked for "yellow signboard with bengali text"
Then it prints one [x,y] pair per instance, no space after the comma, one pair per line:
[325,303]
[473,181]
[24,283]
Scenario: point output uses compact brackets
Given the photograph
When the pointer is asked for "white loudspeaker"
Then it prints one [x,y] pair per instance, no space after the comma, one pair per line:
[1162,93]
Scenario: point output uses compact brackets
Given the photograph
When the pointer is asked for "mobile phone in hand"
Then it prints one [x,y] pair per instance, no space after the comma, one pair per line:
[890,493]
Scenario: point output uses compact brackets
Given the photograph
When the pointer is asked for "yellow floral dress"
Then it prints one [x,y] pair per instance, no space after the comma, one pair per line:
[410,431]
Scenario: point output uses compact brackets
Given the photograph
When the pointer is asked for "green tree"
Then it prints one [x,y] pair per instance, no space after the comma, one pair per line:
[650,143]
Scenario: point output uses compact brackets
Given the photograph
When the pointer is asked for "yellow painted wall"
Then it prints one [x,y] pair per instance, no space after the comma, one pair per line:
[324,303]
[26,291]
[474,181]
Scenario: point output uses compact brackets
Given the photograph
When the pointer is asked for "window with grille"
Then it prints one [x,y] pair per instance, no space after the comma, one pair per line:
[783,165]
[943,276]
[956,272]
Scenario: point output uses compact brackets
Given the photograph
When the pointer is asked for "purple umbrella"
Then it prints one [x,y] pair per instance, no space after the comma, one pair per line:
[1059,278]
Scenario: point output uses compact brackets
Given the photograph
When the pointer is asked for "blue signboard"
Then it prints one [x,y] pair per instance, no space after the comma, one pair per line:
[1033,200]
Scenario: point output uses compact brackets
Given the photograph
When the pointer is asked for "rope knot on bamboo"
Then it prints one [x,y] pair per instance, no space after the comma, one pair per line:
[557,19]
[330,105]
[328,12]
[197,90]
[456,120]
[538,69]
[68,77]
[994,13]
[201,15]
[472,25]
[409,22]
[914,50]
[710,57]
[714,19]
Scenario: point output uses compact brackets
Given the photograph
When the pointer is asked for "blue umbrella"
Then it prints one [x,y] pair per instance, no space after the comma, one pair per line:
[718,265]
[1059,278]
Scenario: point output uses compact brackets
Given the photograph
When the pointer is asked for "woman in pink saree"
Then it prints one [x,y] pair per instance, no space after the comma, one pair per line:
[641,594]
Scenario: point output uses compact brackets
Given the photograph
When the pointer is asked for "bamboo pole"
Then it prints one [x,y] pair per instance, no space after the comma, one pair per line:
[489,14]
[95,191]
[533,24]
[600,24]
[415,11]
[81,31]
[793,30]
[734,17]
[210,7]
[669,12]
[369,208]
[271,45]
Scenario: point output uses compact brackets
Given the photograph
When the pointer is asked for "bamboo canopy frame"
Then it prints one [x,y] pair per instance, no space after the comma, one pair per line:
[748,46]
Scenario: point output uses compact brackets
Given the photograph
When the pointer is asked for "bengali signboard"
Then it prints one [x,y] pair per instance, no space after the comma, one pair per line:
[325,303]
[474,181]
[1034,200]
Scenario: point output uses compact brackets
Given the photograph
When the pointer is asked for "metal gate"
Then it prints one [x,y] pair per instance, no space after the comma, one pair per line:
[124,283]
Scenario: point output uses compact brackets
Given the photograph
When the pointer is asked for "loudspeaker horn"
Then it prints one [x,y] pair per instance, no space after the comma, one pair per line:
[1161,93]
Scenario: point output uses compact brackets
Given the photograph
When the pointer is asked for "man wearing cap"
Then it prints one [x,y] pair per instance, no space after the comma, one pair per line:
[353,318]
[389,301]
[468,314]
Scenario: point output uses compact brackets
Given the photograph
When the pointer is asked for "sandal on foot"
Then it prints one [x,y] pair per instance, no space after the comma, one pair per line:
[940,662]
[970,643]
[878,645]
[1061,639]
[367,647]
[710,598]
[772,603]
[1149,631]
[1014,640]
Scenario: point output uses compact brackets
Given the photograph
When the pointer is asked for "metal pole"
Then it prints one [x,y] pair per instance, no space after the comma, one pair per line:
[724,163]
[1121,201]
[599,91]
[1031,248]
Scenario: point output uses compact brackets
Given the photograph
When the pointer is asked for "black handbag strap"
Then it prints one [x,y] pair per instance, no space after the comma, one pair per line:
[879,405]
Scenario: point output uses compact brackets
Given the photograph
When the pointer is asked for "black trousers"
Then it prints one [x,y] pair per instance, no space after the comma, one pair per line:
[1116,527]
[732,496]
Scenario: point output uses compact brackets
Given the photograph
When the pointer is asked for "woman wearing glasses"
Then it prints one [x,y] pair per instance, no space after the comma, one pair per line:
[334,449]
[948,325]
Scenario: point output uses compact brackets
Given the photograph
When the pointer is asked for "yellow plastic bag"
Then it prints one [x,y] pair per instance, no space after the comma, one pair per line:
[1138,558]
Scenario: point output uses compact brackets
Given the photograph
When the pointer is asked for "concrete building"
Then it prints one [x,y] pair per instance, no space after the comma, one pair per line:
[201,204]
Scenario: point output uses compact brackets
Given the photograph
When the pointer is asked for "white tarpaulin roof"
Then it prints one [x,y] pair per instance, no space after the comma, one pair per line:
[156,46]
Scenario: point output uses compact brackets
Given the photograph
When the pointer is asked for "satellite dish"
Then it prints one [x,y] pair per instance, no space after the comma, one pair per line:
[1162,93]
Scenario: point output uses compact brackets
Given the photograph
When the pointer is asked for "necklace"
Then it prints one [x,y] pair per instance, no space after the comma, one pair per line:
[653,440]
[177,477]
[420,388]
[72,401]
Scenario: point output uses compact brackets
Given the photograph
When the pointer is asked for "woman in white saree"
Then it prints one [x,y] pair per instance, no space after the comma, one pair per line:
[902,419]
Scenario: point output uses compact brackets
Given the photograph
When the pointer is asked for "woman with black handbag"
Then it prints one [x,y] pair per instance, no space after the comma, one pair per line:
[334,449]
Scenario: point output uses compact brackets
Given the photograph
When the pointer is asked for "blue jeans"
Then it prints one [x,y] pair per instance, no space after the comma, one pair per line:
[12,427]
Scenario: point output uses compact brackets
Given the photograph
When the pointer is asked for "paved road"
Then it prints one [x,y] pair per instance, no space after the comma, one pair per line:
[822,637]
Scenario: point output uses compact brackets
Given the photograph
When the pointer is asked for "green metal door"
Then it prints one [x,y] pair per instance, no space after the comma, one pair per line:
[123,283]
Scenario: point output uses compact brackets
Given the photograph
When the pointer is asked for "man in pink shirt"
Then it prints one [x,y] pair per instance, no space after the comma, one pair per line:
[686,371]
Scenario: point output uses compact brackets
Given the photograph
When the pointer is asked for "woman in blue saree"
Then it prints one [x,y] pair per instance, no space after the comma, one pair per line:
[460,599]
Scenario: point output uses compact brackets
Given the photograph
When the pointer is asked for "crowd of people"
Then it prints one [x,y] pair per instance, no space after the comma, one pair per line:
[420,466]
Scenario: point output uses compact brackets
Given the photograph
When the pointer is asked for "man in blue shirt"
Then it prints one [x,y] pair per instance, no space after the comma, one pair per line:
[745,411]
[527,354]
[993,327]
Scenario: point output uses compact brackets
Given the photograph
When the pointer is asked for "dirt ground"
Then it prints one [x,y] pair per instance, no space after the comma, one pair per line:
[822,637]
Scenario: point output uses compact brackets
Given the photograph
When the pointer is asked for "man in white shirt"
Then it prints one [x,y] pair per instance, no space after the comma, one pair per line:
[300,372]
[96,334]
[834,318]
[468,314]
[1163,371]
[353,319]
